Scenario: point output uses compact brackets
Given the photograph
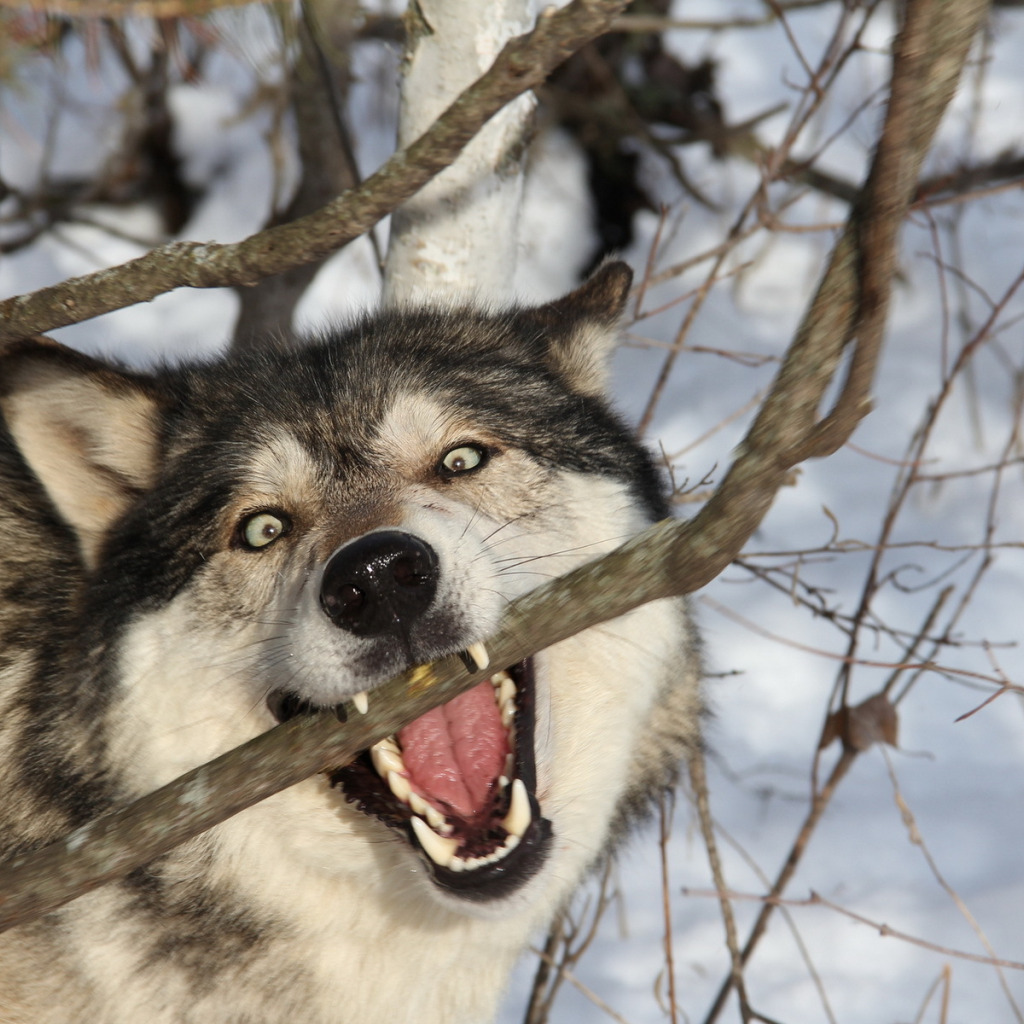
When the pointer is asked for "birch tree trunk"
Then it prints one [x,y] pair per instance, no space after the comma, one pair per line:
[458,236]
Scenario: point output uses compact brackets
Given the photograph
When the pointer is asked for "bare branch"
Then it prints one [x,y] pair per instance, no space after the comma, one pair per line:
[523,63]
[134,8]
[816,900]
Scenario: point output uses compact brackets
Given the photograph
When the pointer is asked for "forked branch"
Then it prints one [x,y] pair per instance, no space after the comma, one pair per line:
[523,63]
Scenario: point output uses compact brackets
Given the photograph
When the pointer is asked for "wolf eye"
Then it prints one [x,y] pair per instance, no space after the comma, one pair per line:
[463,459]
[263,528]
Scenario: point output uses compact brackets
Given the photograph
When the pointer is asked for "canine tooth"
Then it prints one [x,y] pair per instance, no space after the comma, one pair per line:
[386,757]
[479,654]
[519,816]
[440,850]
[399,785]
[475,657]
[361,701]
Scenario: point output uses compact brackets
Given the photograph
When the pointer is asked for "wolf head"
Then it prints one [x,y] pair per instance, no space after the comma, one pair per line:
[274,533]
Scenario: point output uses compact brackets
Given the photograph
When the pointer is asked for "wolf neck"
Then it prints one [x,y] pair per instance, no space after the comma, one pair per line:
[372,933]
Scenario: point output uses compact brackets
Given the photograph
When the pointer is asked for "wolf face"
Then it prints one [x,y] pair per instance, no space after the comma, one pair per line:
[206,550]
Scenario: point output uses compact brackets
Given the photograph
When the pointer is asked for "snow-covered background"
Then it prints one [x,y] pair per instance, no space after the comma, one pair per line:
[926,839]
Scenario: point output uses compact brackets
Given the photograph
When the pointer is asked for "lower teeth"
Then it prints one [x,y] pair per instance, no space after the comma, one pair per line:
[429,825]
[517,821]
[443,850]
[472,863]
[439,849]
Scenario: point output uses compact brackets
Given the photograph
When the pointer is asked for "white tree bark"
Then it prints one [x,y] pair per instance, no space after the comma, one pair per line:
[458,236]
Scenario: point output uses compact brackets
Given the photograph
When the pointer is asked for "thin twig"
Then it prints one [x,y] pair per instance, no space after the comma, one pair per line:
[819,803]
[917,839]
[885,930]
[664,833]
[702,801]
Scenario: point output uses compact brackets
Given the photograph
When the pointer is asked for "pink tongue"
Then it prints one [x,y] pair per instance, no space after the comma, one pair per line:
[454,753]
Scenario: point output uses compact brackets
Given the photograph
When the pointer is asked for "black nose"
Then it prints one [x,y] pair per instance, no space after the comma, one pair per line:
[380,583]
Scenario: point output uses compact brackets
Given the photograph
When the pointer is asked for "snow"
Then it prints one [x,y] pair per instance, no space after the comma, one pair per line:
[774,664]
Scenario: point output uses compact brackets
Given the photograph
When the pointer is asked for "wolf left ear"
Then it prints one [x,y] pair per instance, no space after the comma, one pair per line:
[87,432]
[582,328]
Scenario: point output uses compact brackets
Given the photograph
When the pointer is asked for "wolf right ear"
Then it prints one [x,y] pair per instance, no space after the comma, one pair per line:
[582,328]
[87,432]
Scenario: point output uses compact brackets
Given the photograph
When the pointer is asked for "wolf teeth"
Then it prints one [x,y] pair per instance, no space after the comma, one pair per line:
[519,816]
[387,760]
[362,701]
[435,819]
[418,804]
[440,850]
[399,785]
[431,828]
[386,757]
[475,657]
[506,688]
[472,863]
[479,654]
[505,692]
[508,715]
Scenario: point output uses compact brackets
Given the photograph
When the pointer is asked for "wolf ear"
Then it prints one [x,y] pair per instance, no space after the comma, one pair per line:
[582,327]
[87,432]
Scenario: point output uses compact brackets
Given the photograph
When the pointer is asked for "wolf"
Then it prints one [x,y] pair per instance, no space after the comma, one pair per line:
[193,554]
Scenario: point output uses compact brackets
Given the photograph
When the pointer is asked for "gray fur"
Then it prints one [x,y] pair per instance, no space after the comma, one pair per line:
[144,633]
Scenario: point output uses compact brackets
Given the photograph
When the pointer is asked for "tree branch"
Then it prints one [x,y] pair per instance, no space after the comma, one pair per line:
[134,8]
[524,62]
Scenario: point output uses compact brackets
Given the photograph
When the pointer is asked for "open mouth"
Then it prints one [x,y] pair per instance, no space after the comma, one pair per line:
[459,784]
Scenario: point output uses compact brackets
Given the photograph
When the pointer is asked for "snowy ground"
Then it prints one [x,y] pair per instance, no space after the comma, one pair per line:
[960,781]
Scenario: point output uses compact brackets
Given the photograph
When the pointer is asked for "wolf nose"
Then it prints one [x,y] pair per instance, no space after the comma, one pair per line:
[380,583]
